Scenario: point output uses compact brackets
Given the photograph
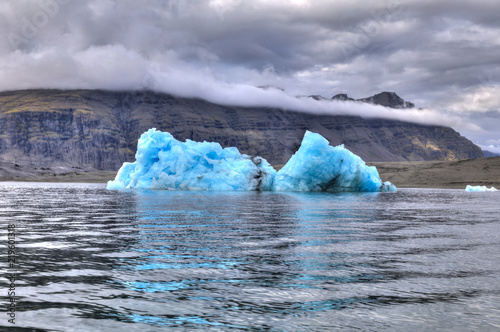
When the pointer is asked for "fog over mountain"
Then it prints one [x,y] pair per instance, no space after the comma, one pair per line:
[442,56]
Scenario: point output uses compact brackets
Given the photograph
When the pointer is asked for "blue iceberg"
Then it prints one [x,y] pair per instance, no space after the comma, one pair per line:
[479,188]
[318,166]
[162,162]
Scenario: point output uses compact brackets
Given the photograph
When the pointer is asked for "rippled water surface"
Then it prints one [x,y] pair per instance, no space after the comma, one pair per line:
[88,259]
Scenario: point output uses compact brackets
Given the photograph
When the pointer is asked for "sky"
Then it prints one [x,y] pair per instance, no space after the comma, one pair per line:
[444,56]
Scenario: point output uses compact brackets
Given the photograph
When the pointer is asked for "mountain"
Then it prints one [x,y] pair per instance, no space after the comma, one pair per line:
[99,129]
[387,99]
[342,97]
[488,154]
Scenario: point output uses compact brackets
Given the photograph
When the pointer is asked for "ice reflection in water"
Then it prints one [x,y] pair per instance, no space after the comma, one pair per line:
[91,259]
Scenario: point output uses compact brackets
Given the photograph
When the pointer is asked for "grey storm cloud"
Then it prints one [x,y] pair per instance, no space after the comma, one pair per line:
[441,55]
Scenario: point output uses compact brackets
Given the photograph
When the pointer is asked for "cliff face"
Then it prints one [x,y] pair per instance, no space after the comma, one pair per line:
[100,129]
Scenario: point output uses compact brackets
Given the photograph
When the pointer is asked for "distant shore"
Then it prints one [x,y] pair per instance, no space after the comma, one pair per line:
[18,172]
[422,174]
[441,174]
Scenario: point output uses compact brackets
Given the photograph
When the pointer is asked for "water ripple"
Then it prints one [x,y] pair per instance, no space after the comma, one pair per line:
[92,259]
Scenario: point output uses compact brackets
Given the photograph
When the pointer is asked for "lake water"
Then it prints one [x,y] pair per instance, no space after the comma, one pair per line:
[88,259]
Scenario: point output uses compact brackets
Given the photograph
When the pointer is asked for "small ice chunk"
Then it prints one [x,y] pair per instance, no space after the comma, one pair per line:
[479,188]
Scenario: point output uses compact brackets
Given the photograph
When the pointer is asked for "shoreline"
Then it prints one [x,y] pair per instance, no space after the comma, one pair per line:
[19,172]
[441,174]
[417,174]
[90,177]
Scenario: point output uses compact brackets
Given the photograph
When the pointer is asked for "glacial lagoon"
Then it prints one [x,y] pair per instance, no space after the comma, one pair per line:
[90,259]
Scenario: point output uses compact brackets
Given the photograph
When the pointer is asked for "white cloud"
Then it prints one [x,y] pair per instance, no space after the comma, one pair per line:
[478,99]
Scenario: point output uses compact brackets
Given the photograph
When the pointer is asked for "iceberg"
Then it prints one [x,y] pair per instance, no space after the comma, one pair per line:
[318,166]
[479,188]
[162,162]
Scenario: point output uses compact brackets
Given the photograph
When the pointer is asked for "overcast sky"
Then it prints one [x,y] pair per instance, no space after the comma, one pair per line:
[442,55]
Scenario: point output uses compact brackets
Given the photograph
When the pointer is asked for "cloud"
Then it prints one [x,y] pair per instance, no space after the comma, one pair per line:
[441,56]
[478,99]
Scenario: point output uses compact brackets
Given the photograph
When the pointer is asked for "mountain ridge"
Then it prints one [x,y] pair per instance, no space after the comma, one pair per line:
[99,129]
[385,98]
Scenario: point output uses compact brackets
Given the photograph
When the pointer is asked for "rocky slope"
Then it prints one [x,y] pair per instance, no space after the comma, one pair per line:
[100,129]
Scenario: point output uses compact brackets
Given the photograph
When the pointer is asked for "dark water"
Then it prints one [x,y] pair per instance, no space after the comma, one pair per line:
[88,259]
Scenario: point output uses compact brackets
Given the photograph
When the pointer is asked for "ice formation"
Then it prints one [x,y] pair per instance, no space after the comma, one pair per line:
[162,162]
[479,188]
[318,166]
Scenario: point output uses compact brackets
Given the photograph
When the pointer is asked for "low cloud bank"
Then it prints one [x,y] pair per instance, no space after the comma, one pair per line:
[113,67]
[221,50]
